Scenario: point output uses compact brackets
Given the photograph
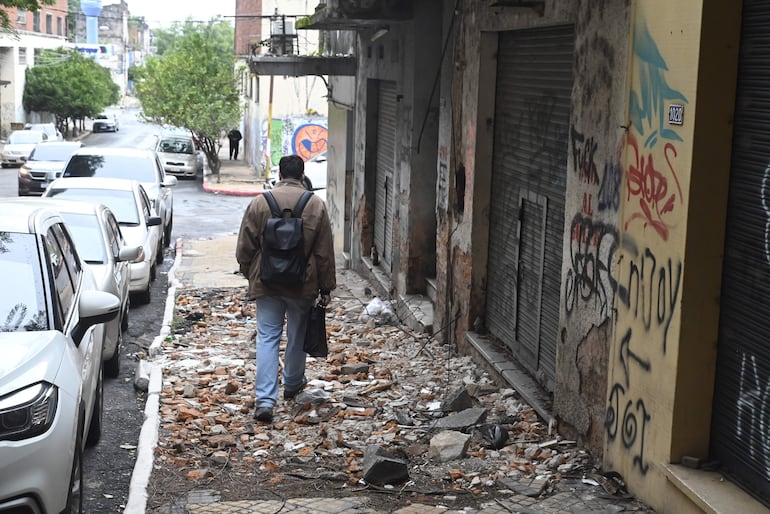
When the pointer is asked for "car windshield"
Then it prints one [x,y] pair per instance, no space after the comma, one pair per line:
[88,236]
[133,167]
[49,152]
[22,304]
[24,137]
[175,146]
[121,203]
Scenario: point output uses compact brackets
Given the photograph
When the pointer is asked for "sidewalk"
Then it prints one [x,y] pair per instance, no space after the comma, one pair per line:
[536,473]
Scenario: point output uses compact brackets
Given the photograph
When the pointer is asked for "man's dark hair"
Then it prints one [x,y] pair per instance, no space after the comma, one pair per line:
[291,166]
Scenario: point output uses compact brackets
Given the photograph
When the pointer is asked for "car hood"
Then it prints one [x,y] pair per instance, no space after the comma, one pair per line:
[30,357]
[26,148]
[45,165]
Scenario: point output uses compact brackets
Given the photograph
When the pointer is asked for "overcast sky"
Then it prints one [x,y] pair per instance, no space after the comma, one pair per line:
[165,12]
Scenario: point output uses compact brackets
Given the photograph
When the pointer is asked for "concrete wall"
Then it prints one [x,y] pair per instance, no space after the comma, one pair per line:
[673,204]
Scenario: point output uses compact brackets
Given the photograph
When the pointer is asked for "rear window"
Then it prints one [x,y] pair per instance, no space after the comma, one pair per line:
[176,145]
[88,238]
[130,167]
[22,304]
[49,152]
[121,203]
[25,137]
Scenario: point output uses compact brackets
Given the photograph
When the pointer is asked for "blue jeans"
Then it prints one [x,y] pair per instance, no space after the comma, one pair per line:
[271,311]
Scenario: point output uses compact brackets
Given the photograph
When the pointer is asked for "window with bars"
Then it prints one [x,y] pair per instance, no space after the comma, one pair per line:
[22,56]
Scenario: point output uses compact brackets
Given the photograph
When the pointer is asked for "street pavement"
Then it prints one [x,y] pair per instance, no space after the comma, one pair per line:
[202,264]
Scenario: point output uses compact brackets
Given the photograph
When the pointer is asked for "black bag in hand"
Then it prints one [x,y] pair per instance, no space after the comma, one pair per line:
[315,336]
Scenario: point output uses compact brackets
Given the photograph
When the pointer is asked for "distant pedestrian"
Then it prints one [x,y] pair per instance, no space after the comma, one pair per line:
[235,141]
[276,304]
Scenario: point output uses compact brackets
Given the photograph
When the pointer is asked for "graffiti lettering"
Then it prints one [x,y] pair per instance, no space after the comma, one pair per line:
[609,192]
[765,204]
[583,157]
[649,286]
[633,425]
[650,186]
[442,195]
[627,355]
[754,409]
[592,250]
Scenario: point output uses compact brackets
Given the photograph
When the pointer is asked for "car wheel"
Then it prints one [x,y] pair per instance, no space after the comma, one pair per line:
[124,319]
[75,495]
[167,233]
[95,428]
[112,366]
[143,297]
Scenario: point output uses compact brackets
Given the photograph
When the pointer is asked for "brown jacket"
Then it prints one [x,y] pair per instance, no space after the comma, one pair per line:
[319,245]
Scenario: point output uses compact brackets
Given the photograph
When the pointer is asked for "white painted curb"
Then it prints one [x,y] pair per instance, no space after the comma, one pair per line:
[148,436]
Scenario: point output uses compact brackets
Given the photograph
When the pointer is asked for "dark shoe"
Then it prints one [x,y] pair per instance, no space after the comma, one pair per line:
[264,414]
[288,394]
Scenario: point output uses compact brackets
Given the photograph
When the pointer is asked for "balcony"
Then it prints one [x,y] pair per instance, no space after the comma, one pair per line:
[356,14]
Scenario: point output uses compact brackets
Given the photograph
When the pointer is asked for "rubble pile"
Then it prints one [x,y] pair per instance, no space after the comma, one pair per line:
[388,409]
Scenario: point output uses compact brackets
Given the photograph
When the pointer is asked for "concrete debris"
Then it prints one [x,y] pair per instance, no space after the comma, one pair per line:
[449,445]
[382,386]
[142,375]
[458,400]
[382,468]
[378,311]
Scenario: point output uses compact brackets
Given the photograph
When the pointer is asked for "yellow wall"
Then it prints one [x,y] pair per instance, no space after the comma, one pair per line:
[665,336]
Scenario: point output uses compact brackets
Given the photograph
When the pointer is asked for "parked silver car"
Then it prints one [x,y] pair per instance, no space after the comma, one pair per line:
[100,243]
[44,165]
[105,123]
[49,128]
[19,145]
[51,378]
[133,211]
[178,154]
[131,164]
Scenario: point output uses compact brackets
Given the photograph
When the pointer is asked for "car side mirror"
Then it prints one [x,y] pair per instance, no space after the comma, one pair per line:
[129,253]
[169,181]
[153,221]
[94,307]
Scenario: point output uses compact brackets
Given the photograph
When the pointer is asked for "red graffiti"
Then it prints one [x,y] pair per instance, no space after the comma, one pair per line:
[651,186]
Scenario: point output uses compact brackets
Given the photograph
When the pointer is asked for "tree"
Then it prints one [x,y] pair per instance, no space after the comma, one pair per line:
[221,34]
[30,5]
[69,85]
[193,85]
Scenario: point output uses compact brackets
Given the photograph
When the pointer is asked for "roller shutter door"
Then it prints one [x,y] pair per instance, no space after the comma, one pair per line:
[532,104]
[386,157]
[740,436]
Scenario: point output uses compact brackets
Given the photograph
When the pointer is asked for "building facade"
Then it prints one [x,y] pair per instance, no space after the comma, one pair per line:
[578,188]
[33,32]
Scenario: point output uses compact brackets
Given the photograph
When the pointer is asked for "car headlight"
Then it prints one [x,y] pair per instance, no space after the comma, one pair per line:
[24,172]
[28,412]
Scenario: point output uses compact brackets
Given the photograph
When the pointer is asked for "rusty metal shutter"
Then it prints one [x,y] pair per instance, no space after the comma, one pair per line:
[386,157]
[740,428]
[532,104]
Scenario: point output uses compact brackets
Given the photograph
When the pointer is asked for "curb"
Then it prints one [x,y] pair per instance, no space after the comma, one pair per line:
[148,435]
[229,192]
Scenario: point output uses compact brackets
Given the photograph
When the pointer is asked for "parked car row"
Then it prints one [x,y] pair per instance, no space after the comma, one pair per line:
[71,263]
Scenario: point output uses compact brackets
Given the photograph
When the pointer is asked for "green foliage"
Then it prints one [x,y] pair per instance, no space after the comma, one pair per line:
[220,32]
[69,85]
[193,85]
[30,5]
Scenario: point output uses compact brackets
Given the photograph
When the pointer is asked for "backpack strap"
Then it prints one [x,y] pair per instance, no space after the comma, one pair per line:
[301,203]
[270,199]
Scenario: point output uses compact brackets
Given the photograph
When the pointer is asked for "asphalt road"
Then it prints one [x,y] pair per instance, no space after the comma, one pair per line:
[108,465]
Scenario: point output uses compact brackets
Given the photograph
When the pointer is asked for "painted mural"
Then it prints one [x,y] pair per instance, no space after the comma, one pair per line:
[304,136]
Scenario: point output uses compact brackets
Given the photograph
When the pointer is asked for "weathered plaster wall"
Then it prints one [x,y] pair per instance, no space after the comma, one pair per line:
[591,233]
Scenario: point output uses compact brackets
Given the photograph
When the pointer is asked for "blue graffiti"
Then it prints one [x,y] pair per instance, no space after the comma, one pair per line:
[648,106]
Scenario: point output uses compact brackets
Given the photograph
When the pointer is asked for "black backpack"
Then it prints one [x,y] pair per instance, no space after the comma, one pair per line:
[283,248]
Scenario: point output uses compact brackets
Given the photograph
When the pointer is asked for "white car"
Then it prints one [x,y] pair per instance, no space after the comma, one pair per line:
[138,222]
[178,154]
[51,378]
[131,164]
[315,175]
[100,243]
[49,128]
[19,145]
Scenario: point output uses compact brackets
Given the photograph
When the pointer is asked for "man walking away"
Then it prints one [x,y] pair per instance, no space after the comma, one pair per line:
[235,141]
[275,302]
